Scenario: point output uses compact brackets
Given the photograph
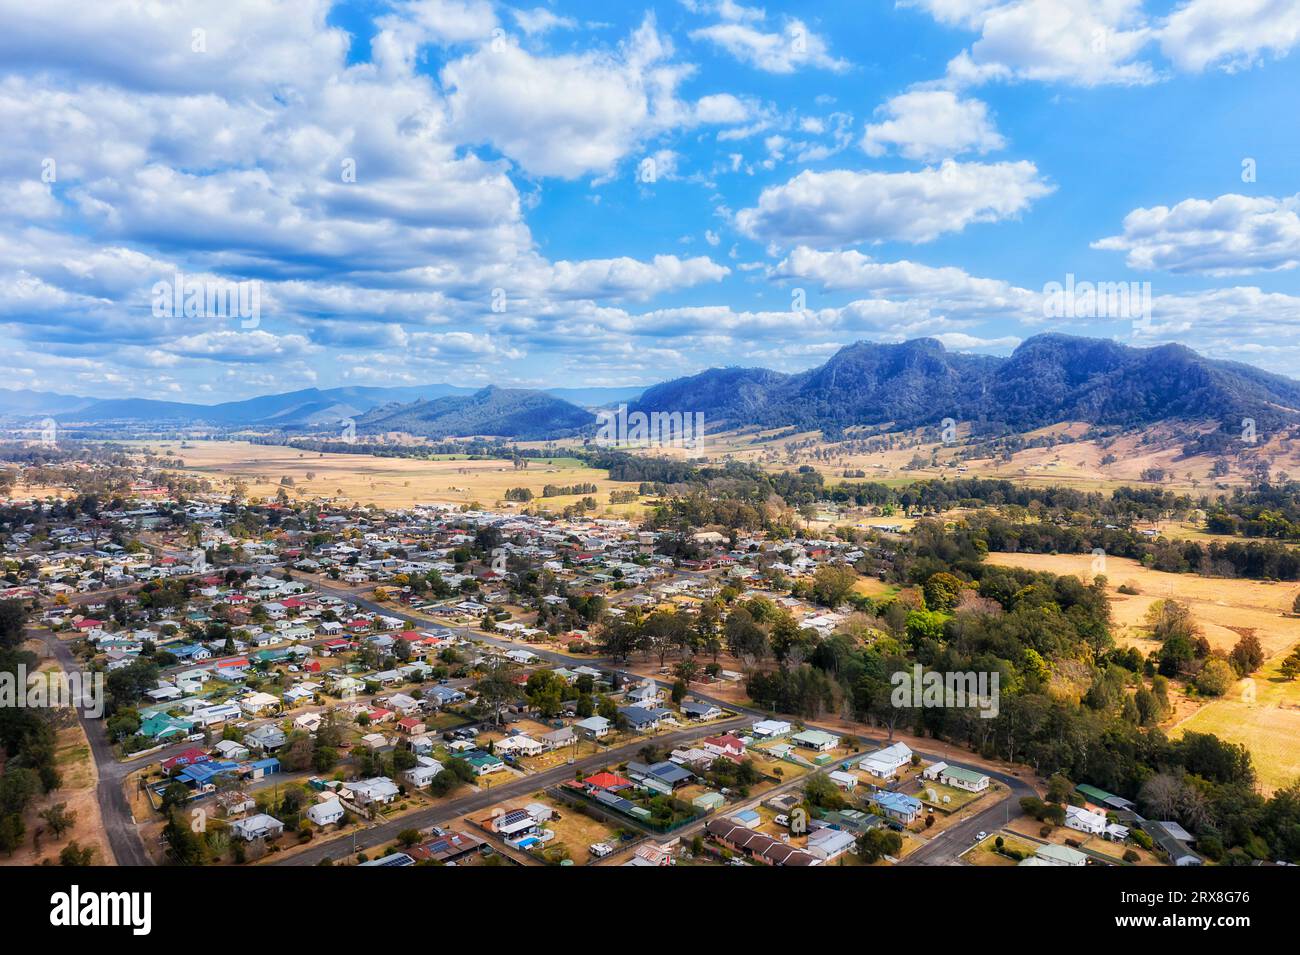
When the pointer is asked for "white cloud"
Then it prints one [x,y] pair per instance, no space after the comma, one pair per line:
[1079,42]
[629,278]
[944,288]
[930,125]
[794,47]
[248,346]
[241,47]
[540,20]
[571,115]
[844,207]
[1230,235]
[1231,34]
[416,23]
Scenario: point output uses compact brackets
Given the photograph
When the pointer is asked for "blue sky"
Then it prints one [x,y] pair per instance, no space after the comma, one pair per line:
[592,193]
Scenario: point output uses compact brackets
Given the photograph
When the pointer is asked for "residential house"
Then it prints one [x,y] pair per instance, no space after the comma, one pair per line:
[1093,823]
[266,738]
[643,720]
[957,777]
[818,740]
[827,843]
[593,727]
[725,745]
[771,729]
[756,846]
[423,773]
[885,763]
[259,826]
[897,806]
[377,791]
[699,711]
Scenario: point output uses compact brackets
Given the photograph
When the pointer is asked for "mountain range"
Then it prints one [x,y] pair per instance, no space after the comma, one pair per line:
[497,412]
[1047,379]
[308,409]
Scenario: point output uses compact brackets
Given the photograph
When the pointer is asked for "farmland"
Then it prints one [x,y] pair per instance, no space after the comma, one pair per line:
[1261,712]
[383,481]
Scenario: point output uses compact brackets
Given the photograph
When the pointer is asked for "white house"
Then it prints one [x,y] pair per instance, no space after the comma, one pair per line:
[230,749]
[260,826]
[423,773]
[1052,854]
[827,843]
[593,727]
[846,781]
[379,790]
[885,763]
[770,729]
[1083,820]
[519,746]
[327,812]
[257,703]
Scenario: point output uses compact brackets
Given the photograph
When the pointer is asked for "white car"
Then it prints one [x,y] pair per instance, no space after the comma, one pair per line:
[981,836]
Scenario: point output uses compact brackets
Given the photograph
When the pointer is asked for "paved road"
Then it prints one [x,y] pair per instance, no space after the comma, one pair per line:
[944,848]
[386,832]
[114,810]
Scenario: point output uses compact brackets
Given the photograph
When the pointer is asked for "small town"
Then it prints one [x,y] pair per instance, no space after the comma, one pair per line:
[699,435]
[305,685]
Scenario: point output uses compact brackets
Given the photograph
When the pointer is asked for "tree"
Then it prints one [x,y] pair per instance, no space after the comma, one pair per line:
[833,584]
[1216,677]
[875,844]
[745,638]
[74,855]
[184,846]
[546,690]
[821,793]
[59,819]
[1247,656]
[1059,789]
[942,591]
[678,691]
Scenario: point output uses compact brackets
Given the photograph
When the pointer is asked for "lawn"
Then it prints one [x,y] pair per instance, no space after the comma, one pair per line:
[986,854]
[1263,714]
[946,799]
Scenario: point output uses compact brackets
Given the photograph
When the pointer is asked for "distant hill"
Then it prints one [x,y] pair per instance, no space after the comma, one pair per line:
[24,401]
[1048,379]
[305,410]
[499,412]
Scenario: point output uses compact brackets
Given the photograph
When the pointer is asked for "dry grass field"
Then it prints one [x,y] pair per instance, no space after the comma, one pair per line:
[1262,712]
[387,482]
[1224,607]
[1071,462]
